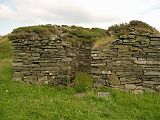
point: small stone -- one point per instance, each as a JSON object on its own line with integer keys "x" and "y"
{"x": 99, "y": 83}
{"x": 137, "y": 91}
{"x": 123, "y": 79}
{"x": 152, "y": 73}
{"x": 106, "y": 72}
{"x": 158, "y": 88}
{"x": 53, "y": 38}
{"x": 130, "y": 86}
{"x": 44, "y": 78}
{"x": 140, "y": 88}
{"x": 150, "y": 90}
{"x": 113, "y": 79}
{"x": 103, "y": 94}
{"x": 97, "y": 65}
{"x": 95, "y": 71}
{"x": 155, "y": 43}
{"x": 50, "y": 73}
{"x": 94, "y": 55}
{"x": 67, "y": 59}
{"x": 150, "y": 82}
{"x": 80, "y": 95}
{"x": 46, "y": 82}
{"x": 18, "y": 64}
{"x": 17, "y": 78}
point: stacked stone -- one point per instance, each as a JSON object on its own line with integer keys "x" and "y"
{"x": 84, "y": 57}
{"x": 131, "y": 62}
{"x": 132, "y": 59}
{"x": 42, "y": 59}
{"x": 99, "y": 67}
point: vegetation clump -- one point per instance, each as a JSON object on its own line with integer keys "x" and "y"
{"x": 133, "y": 26}
{"x": 83, "y": 82}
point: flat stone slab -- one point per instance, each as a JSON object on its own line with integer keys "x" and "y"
{"x": 80, "y": 94}
{"x": 103, "y": 94}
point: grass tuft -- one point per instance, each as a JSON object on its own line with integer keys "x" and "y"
{"x": 83, "y": 82}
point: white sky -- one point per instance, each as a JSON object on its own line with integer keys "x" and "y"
{"x": 87, "y": 13}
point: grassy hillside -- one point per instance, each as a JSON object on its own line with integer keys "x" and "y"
{"x": 20, "y": 101}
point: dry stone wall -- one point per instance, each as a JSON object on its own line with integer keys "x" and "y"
{"x": 84, "y": 57}
{"x": 42, "y": 59}
{"x": 130, "y": 62}
{"x": 48, "y": 60}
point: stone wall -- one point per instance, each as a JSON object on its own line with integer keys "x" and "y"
{"x": 84, "y": 57}
{"x": 40, "y": 59}
{"x": 130, "y": 62}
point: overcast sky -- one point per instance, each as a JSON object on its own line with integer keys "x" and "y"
{"x": 87, "y": 13}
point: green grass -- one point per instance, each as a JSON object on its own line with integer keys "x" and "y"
{"x": 83, "y": 82}
{"x": 5, "y": 48}
{"x": 20, "y": 101}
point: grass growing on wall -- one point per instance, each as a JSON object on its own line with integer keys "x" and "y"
{"x": 20, "y": 101}
{"x": 103, "y": 42}
{"x": 74, "y": 35}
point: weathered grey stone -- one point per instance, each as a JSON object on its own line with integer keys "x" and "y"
{"x": 137, "y": 91}
{"x": 100, "y": 64}
{"x": 149, "y": 82}
{"x": 152, "y": 73}
{"x": 123, "y": 79}
{"x": 140, "y": 88}
{"x": 150, "y": 90}
{"x": 155, "y": 43}
{"x": 114, "y": 80}
{"x": 130, "y": 86}
{"x": 35, "y": 54}
{"x": 94, "y": 55}
{"x": 98, "y": 58}
{"x": 155, "y": 35}
{"x": 155, "y": 39}
{"x": 95, "y": 71}
{"x": 103, "y": 94}
{"x": 106, "y": 72}
{"x": 127, "y": 37}
{"x": 99, "y": 83}
{"x": 43, "y": 78}
{"x": 18, "y": 64}
{"x": 147, "y": 62}
{"x": 67, "y": 59}
{"x": 17, "y": 78}
{"x": 158, "y": 88}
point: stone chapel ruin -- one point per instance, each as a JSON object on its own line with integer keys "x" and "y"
{"x": 130, "y": 61}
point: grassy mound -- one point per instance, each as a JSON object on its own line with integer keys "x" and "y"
{"x": 133, "y": 26}
{"x": 73, "y": 35}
